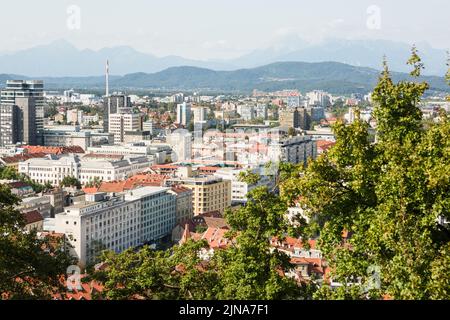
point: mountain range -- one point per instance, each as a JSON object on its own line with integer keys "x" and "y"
{"x": 334, "y": 77}
{"x": 61, "y": 59}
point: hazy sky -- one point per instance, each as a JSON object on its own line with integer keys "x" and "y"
{"x": 212, "y": 29}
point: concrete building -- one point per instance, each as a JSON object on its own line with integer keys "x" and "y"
{"x": 115, "y": 103}
{"x": 183, "y": 113}
{"x": 116, "y": 222}
{"x": 208, "y": 193}
{"x": 184, "y": 204}
{"x": 21, "y": 112}
{"x": 120, "y": 123}
{"x": 181, "y": 142}
{"x": 295, "y": 150}
{"x": 239, "y": 189}
{"x": 40, "y": 204}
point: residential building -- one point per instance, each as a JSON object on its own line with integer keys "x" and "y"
{"x": 209, "y": 193}
{"x": 184, "y": 204}
{"x": 297, "y": 149}
{"x": 239, "y": 189}
{"x": 34, "y": 221}
{"x": 181, "y": 142}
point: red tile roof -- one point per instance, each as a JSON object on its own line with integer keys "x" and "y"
{"x": 22, "y": 157}
{"x": 54, "y": 150}
{"x": 32, "y": 216}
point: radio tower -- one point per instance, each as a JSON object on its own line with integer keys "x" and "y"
{"x": 107, "y": 78}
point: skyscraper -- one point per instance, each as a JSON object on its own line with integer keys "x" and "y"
{"x": 115, "y": 103}
{"x": 22, "y": 112}
{"x": 184, "y": 113}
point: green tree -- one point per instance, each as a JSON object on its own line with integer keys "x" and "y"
{"x": 389, "y": 196}
{"x": 30, "y": 267}
{"x": 70, "y": 181}
{"x": 152, "y": 274}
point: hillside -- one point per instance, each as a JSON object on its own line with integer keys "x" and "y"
{"x": 334, "y": 77}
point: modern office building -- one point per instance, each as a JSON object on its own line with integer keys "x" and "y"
{"x": 22, "y": 112}
{"x": 107, "y": 222}
{"x": 114, "y": 103}
{"x": 120, "y": 123}
{"x": 183, "y": 113}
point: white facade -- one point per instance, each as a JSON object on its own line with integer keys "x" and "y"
{"x": 239, "y": 189}
{"x": 183, "y": 113}
{"x": 54, "y": 169}
{"x": 119, "y": 123}
{"x": 295, "y": 150}
{"x": 116, "y": 223}
{"x": 181, "y": 142}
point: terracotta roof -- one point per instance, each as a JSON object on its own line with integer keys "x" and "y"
{"x": 22, "y": 157}
{"x": 180, "y": 189}
{"x": 87, "y": 291}
{"x": 32, "y": 216}
{"x": 216, "y": 238}
{"x": 54, "y": 150}
{"x": 216, "y": 222}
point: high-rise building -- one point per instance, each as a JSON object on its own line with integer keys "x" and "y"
{"x": 183, "y": 113}
{"x": 200, "y": 114}
{"x": 181, "y": 142}
{"x": 119, "y": 123}
{"x": 115, "y": 103}
{"x": 289, "y": 118}
{"x": 22, "y": 112}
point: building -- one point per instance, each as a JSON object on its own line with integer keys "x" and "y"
{"x": 289, "y": 118}
{"x": 116, "y": 223}
{"x": 53, "y": 169}
{"x": 295, "y": 150}
{"x": 183, "y": 113}
{"x": 21, "y": 112}
{"x": 200, "y": 114}
{"x": 319, "y": 98}
{"x": 158, "y": 212}
{"x": 247, "y": 112}
{"x": 151, "y": 127}
{"x": 120, "y": 123}
{"x": 261, "y": 111}
{"x": 239, "y": 189}
{"x": 184, "y": 204}
{"x": 181, "y": 142}
{"x": 209, "y": 193}
{"x": 114, "y": 103}
{"x": 34, "y": 221}
{"x": 40, "y": 204}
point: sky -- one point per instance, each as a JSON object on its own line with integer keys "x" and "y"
{"x": 218, "y": 29}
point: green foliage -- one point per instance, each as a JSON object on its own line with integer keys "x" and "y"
{"x": 10, "y": 173}
{"x": 158, "y": 274}
{"x": 70, "y": 181}
{"x": 388, "y": 195}
{"x": 96, "y": 182}
{"x": 29, "y": 267}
